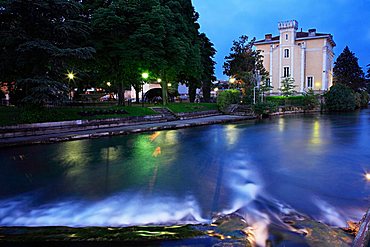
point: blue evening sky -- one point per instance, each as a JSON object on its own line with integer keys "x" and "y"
{"x": 226, "y": 20}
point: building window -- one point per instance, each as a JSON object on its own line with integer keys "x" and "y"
{"x": 286, "y": 53}
{"x": 268, "y": 82}
{"x": 286, "y": 72}
{"x": 309, "y": 81}
{"x": 286, "y": 36}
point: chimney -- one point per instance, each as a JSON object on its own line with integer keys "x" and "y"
{"x": 311, "y": 32}
{"x": 268, "y": 36}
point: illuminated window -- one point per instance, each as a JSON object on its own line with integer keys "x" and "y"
{"x": 309, "y": 81}
{"x": 286, "y": 53}
{"x": 286, "y": 72}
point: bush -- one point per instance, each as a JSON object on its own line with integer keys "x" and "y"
{"x": 263, "y": 108}
{"x": 227, "y": 97}
{"x": 364, "y": 99}
{"x": 340, "y": 98}
{"x": 358, "y": 100}
{"x": 310, "y": 100}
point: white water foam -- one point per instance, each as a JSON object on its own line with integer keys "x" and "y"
{"x": 119, "y": 210}
{"x": 246, "y": 187}
{"x": 335, "y": 216}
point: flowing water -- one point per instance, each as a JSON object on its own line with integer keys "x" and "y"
{"x": 311, "y": 165}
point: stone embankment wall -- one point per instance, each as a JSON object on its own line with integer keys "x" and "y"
{"x": 76, "y": 125}
{"x": 190, "y": 115}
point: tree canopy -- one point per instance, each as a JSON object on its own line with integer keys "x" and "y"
{"x": 347, "y": 71}
{"x": 244, "y": 63}
{"x": 40, "y": 39}
{"x": 119, "y": 40}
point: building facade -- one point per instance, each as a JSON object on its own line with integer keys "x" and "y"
{"x": 307, "y": 57}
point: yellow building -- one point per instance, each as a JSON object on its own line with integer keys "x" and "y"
{"x": 305, "y": 56}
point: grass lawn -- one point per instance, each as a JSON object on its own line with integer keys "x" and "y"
{"x": 191, "y": 107}
{"x": 16, "y": 115}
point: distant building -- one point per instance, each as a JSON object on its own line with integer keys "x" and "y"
{"x": 305, "y": 56}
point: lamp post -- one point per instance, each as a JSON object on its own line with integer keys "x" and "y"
{"x": 145, "y": 76}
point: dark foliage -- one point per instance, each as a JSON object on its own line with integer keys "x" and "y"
{"x": 347, "y": 71}
{"x": 39, "y": 41}
{"x": 340, "y": 98}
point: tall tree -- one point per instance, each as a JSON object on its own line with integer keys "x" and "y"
{"x": 39, "y": 40}
{"x": 368, "y": 78}
{"x": 244, "y": 63}
{"x": 347, "y": 71}
{"x": 112, "y": 25}
{"x": 208, "y": 65}
{"x": 181, "y": 60}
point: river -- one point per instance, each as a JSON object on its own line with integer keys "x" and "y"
{"x": 311, "y": 165}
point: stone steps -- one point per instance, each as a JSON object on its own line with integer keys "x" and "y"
{"x": 165, "y": 112}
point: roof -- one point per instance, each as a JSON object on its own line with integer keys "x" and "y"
{"x": 300, "y": 36}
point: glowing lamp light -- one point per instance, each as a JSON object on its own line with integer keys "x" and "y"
{"x": 169, "y": 84}
{"x": 145, "y": 75}
{"x": 70, "y": 75}
{"x": 367, "y": 176}
{"x": 216, "y": 89}
{"x": 232, "y": 80}
{"x": 109, "y": 84}
{"x": 159, "y": 80}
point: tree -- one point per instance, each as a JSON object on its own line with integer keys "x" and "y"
{"x": 368, "y": 78}
{"x": 40, "y": 40}
{"x": 287, "y": 86}
{"x": 208, "y": 65}
{"x": 340, "y": 98}
{"x": 243, "y": 63}
{"x": 182, "y": 60}
{"x": 347, "y": 71}
{"x": 264, "y": 87}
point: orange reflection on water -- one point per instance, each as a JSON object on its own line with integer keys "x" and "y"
{"x": 154, "y": 136}
{"x": 157, "y": 152}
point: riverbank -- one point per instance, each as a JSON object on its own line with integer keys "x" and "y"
{"x": 56, "y": 133}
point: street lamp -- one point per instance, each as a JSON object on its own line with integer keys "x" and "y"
{"x": 159, "y": 80}
{"x": 145, "y": 76}
{"x": 70, "y": 75}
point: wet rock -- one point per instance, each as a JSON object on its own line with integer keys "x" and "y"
{"x": 321, "y": 235}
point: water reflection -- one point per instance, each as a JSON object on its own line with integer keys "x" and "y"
{"x": 232, "y": 134}
{"x": 316, "y": 137}
{"x": 281, "y": 124}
